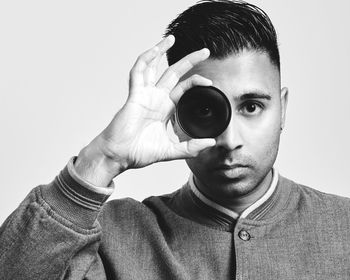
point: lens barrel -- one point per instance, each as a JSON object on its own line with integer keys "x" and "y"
{"x": 203, "y": 112}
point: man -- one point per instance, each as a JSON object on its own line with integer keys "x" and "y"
{"x": 235, "y": 218}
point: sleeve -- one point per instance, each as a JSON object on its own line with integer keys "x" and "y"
{"x": 54, "y": 233}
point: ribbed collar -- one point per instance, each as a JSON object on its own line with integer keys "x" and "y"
{"x": 190, "y": 203}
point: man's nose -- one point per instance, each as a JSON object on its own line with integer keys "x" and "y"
{"x": 231, "y": 138}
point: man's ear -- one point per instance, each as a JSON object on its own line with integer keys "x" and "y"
{"x": 284, "y": 103}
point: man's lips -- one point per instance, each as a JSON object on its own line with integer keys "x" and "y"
{"x": 230, "y": 166}
{"x": 231, "y": 171}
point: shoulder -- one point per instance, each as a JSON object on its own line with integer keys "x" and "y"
{"x": 130, "y": 211}
{"x": 121, "y": 209}
{"x": 313, "y": 201}
{"x": 320, "y": 198}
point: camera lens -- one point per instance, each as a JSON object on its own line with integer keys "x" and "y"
{"x": 203, "y": 112}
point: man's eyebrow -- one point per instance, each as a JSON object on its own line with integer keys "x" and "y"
{"x": 253, "y": 95}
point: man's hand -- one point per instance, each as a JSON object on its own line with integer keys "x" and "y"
{"x": 137, "y": 136}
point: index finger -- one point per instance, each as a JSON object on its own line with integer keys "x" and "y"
{"x": 172, "y": 75}
{"x": 143, "y": 60}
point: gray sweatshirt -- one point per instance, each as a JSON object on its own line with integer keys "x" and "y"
{"x": 65, "y": 230}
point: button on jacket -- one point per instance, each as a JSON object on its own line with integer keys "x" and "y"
{"x": 65, "y": 230}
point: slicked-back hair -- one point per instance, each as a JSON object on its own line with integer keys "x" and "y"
{"x": 224, "y": 27}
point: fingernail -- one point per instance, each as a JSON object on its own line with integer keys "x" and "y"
{"x": 171, "y": 38}
{"x": 208, "y": 81}
{"x": 206, "y": 51}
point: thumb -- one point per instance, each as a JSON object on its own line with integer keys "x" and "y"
{"x": 193, "y": 147}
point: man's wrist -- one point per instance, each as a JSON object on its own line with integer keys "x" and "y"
{"x": 96, "y": 168}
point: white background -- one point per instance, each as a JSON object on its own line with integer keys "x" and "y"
{"x": 64, "y": 74}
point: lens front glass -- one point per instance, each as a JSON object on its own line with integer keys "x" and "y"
{"x": 203, "y": 112}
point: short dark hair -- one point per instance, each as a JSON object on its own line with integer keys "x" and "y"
{"x": 224, "y": 27}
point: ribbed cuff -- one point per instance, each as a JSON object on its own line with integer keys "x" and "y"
{"x": 75, "y": 199}
{"x": 72, "y": 172}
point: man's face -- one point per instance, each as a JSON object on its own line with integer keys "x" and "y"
{"x": 246, "y": 151}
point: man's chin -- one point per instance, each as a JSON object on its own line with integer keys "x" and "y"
{"x": 232, "y": 183}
